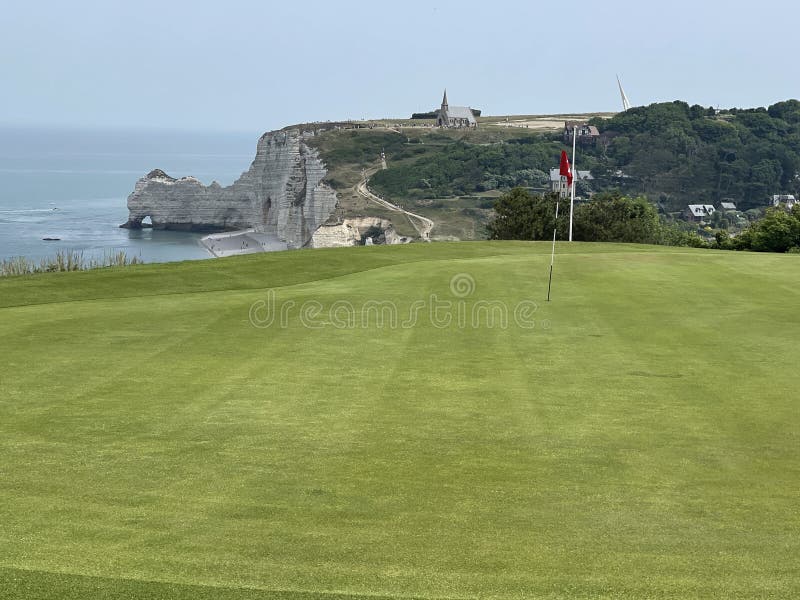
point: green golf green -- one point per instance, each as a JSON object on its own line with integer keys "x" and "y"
{"x": 404, "y": 422}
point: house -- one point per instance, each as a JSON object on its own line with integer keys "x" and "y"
{"x": 558, "y": 183}
{"x": 699, "y": 212}
{"x": 587, "y": 134}
{"x": 724, "y": 205}
{"x": 787, "y": 200}
{"x": 454, "y": 116}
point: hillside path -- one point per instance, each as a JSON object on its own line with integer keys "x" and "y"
{"x": 423, "y": 225}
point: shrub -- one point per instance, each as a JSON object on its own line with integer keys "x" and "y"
{"x": 65, "y": 260}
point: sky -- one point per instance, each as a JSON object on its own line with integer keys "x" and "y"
{"x": 243, "y": 65}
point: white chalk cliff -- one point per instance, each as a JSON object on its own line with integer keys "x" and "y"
{"x": 282, "y": 194}
{"x": 351, "y": 232}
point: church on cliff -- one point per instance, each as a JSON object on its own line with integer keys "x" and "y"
{"x": 454, "y": 116}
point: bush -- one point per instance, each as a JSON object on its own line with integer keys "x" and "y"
{"x": 776, "y": 232}
{"x": 613, "y": 217}
{"x": 606, "y": 218}
{"x": 519, "y": 215}
{"x": 674, "y": 235}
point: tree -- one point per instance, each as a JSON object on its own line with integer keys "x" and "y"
{"x": 609, "y": 217}
{"x": 612, "y": 217}
{"x": 520, "y": 215}
{"x": 789, "y": 111}
{"x": 776, "y": 232}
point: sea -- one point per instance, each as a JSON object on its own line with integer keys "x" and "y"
{"x": 73, "y": 184}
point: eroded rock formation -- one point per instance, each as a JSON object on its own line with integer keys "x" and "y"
{"x": 282, "y": 193}
{"x": 353, "y": 232}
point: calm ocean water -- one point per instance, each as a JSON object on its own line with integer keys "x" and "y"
{"x": 73, "y": 185}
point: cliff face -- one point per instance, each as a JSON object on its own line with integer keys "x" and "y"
{"x": 351, "y": 232}
{"x": 281, "y": 194}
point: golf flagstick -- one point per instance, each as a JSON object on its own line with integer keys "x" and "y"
{"x": 552, "y": 254}
{"x": 564, "y": 171}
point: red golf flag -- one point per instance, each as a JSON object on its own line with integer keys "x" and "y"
{"x": 565, "y": 170}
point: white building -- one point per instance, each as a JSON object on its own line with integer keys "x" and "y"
{"x": 558, "y": 183}
{"x": 454, "y": 116}
{"x": 787, "y": 200}
{"x": 698, "y": 212}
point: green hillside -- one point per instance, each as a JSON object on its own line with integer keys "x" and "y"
{"x": 420, "y": 163}
{"x": 679, "y": 154}
{"x": 672, "y": 153}
{"x": 637, "y": 437}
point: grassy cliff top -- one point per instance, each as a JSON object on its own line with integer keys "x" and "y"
{"x": 533, "y": 121}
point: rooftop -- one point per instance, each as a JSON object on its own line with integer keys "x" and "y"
{"x": 460, "y": 112}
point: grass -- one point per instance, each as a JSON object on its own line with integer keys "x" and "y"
{"x": 64, "y": 260}
{"x": 640, "y": 442}
{"x": 500, "y": 119}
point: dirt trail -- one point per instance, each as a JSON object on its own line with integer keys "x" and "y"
{"x": 423, "y": 225}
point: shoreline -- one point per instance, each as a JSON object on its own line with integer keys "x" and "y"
{"x": 242, "y": 241}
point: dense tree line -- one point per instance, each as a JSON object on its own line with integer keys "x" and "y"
{"x": 607, "y": 217}
{"x": 612, "y": 217}
{"x": 778, "y": 231}
{"x": 677, "y": 154}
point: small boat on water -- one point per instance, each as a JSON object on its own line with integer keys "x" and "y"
{"x": 49, "y": 239}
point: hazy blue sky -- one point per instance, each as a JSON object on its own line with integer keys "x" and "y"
{"x": 252, "y": 66}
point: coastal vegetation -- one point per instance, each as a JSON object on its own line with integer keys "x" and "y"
{"x": 679, "y": 154}
{"x": 634, "y": 437}
{"x": 778, "y": 231}
{"x": 612, "y": 217}
{"x": 65, "y": 260}
{"x": 672, "y": 154}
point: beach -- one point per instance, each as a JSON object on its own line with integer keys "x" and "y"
{"x": 244, "y": 241}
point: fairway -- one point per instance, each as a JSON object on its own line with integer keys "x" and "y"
{"x": 637, "y": 437}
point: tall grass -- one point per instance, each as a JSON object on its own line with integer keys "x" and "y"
{"x": 65, "y": 260}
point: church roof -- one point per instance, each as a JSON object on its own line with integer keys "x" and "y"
{"x": 460, "y": 112}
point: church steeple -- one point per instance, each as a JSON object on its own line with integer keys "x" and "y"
{"x": 444, "y": 100}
